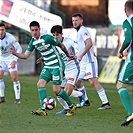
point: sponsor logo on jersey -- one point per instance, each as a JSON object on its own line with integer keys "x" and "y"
{"x": 71, "y": 79}
{"x": 56, "y": 77}
{"x": 88, "y": 73}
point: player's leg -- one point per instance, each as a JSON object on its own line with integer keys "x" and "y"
{"x": 2, "y": 87}
{"x": 16, "y": 83}
{"x": 87, "y": 103}
{"x": 71, "y": 77}
{"x": 92, "y": 74}
{"x": 101, "y": 92}
{"x": 44, "y": 79}
{"x": 62, "y": 101}
{"x": 57, "y": 78}
{"x": 81, "y": 88}
{"x": 76, "y": 93}
{"x": 2, "y": 84}
{"x": 125, "y": 73}
{"x": 60, "y": 92}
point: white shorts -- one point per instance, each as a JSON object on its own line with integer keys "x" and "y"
{"x": 88, "y": 70}
{"x": 70, "y": 78}
{"x": 6, "y": 65}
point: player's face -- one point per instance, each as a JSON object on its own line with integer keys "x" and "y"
{"x": 126, "y": 12}
{"x": 77, "y": 22}
{"x": 2, "y": 31}
{"x": 58, "y": 36}
{"x": 35, "y": 31}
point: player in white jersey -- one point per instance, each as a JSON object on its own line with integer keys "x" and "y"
{"x": 8, "y": 62}
{"x": 72, "y": 69}
{"x": 88, "y": 60}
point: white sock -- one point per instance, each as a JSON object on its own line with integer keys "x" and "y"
{"x": 2, "y": 88}
{"x": 76, "y": 93}
{"x": 63, "y": 102}
{"x": 102, "y": 96}
{"x": 83, "y": 88}
{"x": 17, "y": 89}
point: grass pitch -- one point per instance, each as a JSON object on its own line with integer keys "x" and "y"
{"x": 18, "y": 118}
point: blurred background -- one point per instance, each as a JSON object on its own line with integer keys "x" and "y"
{"x": 103, "y": 19}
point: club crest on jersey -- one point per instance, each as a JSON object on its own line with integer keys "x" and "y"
{"x": 86, "y": 34}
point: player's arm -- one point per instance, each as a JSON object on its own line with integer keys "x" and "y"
{"x": 18, "y": 49}
{"x": 19, "y": 55}
{"x": 87, "y": 47}
{"x": 63, "y": 48}
{"x": 128, "y": 37}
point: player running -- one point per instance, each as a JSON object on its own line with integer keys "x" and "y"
{"x": 53, "y": 66}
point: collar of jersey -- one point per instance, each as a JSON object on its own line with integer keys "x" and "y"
{"x": 62, "y": 39}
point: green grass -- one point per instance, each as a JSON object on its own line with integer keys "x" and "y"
{"x": 18, "y": 119}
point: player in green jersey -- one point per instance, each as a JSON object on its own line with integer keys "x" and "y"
{"x": 53, "y": 66}
{"x": 126, "y": 72}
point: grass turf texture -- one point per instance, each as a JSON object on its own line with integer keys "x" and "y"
{"x": 18, "y": 118}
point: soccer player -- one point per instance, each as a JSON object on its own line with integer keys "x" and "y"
{"x": 72, "y": 69}
{"x": 126, "y": 72}
{"x": 53, "y": 66}
{"x": 9, "y": 62}
{"x": 87, "y": 59}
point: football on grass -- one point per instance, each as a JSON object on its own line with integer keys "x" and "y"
{"x": 49, "y": 103}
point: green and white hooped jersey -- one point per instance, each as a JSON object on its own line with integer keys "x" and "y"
{"x": 46, "y": 45}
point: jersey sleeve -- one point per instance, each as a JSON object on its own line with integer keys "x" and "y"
{"x": 16, "y": 46}
{"x": 128, "y": 35}
{"x": 85, "y": 34}
{"x": 52, "y": 41}
{"x": 30, "y": 47}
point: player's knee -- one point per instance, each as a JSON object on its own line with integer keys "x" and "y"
{"x": 14, "y": 79}
{"x": 92, "y": 83}
{"x": 78, "y": 84}
{"x": 118, "y": 85}
{"x": 41, "y": 83}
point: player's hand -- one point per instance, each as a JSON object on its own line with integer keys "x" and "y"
{"x": 12, "y": 65}
{"x": 120, "y": 55}
{"x": 40, "y": 60}
{"x": 12, "y": 51}
{"x": 79, "y": 58}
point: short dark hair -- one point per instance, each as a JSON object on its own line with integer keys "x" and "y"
{"x": 129, "y": 5}
{"x": 77, "y": 15}
{"x": 34, "y": 23}
{"x": 56, "y": 28}
{"x": 2, "y": 24}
